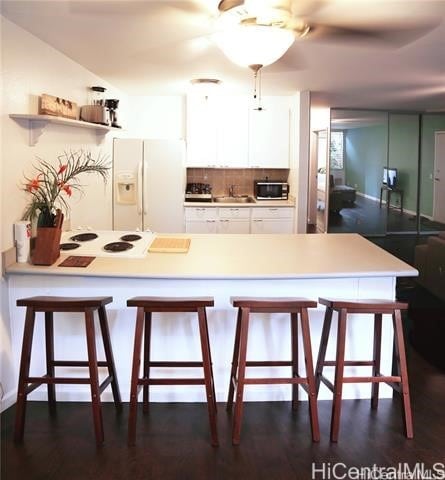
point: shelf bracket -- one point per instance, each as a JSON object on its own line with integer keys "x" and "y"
{"x": 36, "y": 128}
{"x": 100, "y": 136}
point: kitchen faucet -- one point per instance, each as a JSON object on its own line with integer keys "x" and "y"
{"x": 231, "y": 190}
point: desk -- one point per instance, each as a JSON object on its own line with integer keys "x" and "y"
{"x": 389, "y": 191}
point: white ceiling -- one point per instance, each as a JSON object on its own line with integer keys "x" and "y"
{"x": 155, "y": 47}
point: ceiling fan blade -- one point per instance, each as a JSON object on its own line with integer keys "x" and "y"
{"x": 306, "y": 8}
{"x": 179, "y": 11}
{"x": 292, "y": 60}
{"x": 395, "y": 36}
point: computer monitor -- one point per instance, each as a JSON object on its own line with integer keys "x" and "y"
{"x": 390, "y": 177}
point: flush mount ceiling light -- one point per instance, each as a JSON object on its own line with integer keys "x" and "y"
{"x": 205, "y": 86}
{"x": 256, "y": 33}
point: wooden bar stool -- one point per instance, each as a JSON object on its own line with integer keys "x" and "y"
{"x": 27, "y": 384}
{"x": 145, "y": 307}
{"x": 398, "y": 381}
{"x": 295, "y": 307}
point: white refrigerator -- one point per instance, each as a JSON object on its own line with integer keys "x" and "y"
{"x": 148, "y": 185}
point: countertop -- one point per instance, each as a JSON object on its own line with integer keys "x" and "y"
{"x": 256, "y": 203}
{"x": 247, "y": 257}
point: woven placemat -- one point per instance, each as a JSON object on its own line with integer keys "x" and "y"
{"x": 170, "y": 245}
{"x": 76, "y": 261}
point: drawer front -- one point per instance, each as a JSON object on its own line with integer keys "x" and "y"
{"x": 272, "y": 212}
{"x": 271, "y": 226}
{"x": 201, "y": 213}
{"x": 234, "y": 212}
{"x": 201, "y": 226}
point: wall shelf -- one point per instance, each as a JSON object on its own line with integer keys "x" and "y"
{"x": 38, "y": 123}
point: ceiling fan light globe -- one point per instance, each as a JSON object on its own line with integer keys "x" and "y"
{"x": 248, "y": 45}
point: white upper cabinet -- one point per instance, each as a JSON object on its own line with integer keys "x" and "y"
{"x": 269, "y": 133}
{"x": 227, "y": 132}
{"x": 233, "y": 132}
{"x": 202, "y": 131}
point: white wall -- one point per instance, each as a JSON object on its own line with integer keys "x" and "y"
{"x": 156, "y": 117}
{"x": 30, "y": 67}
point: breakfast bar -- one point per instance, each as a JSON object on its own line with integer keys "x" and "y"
{"x": 221, "y": 266}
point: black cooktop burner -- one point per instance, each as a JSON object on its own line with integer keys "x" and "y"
{"x": 130, "y": 237}
{"x": 118, "y": 246}
{"x": 69, "y": 246}
{"x": 83, "y": 237}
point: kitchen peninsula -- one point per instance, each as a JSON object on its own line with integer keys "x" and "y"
{"x": 341, "y": 265}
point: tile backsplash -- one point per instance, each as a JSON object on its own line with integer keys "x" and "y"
{"x": 242, "y": 178}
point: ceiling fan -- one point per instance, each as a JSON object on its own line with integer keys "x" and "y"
{"x": 264, "y": 30}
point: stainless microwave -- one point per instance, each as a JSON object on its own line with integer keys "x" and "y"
{"x": 267, "y": 190}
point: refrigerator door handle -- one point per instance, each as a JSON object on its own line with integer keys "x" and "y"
{"x": 145, "y": 183}
{"x": 139, "y": 187}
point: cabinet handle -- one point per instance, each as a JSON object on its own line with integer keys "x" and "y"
{"x": 225, "y": 221}
{"x": 211, "y": 221}
{"x": 234, "y": 209}
{"x": 273, "y": 209}
{"x": 257, "y": 220}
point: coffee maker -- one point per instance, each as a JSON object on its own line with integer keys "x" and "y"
{"x": 112, "y": 104}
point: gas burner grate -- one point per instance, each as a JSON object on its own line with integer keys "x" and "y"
{"x": 84, "y": 237}
{"x": 118, "y": 246}
{"x": 130, "y": 238}
{"x": 69, "y": 246}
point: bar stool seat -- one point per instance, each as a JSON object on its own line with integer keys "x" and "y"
{"x": 398, "y": 380}
{"x": 27, "y": 383}
{"x": 145, "y": 307}
{"x": 295, "y": 307}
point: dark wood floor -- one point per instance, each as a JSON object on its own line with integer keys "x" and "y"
{"x": 173, "y": 439}
{"x": 367, "y": 218}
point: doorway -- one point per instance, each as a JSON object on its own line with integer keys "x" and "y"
{"x": 439, "y": 178}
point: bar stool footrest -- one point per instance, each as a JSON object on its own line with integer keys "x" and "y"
{"x": 350, "y": 363}
{"x": 269, "y": 363}
{"x": 76, "y": 363}
{"x": 174, "y": 364}
{"x": 171, "y": 381}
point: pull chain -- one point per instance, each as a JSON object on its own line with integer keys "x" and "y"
{"x": 257, "y": 85}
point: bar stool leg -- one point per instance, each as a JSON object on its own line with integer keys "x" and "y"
{"x": 313, "y": 410}
{"x": 323, "y": 347}
{"x": 294, "y": 348}
{"x": 205, "y": 348}
{"x": 234, "y": 363}
{"x": 376, "y": 359}
{"x": 132, "y": 416}
{"x": 146, "y": 369}
{"x": 404, "y": 385}
{"x": 210, "y": 357}
{"x": 339, "y": 368}
{"x": 241, "y": 376}
{"x": 103, "y": 322}
{"x": 50, "y": 370}
{"x": 94, "y": 377}
{"x": 25, "y": 362}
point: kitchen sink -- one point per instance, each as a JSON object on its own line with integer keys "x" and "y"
{"x": 241, "y": 199}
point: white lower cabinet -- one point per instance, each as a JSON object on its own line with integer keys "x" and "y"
{"x": 272, "y": 220}
{"x": 201, "y": 226}
{"x": 227, "y": 225}
{"x": 266, "y": 225}
{"x": 239, "y": 220}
